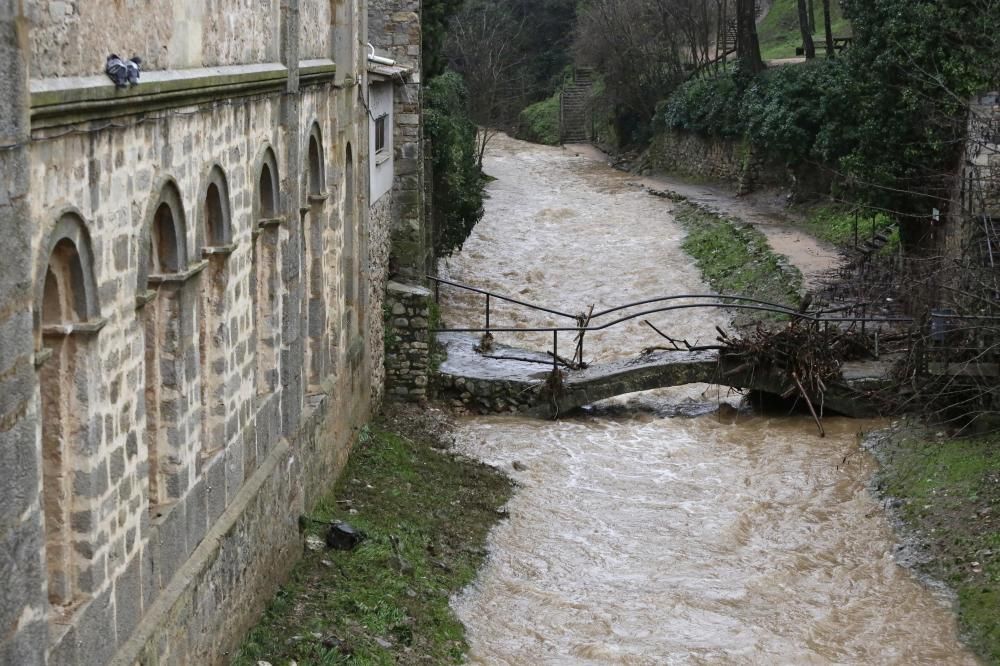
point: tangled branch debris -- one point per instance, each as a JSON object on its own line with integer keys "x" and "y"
{"x": 810, "y": 357}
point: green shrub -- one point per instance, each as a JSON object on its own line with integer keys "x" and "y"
{"x": 540, "y": 122}
{"x": 457, "y": 179}
{"x": 705, "y": 106}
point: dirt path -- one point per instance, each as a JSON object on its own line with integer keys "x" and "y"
{"x": 813, "y": 257}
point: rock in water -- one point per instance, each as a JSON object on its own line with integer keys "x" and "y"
{"x": 343, "y": 536}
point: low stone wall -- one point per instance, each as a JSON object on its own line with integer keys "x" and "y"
{"x": 487, "y": 396}
{"x": 408, "y": 343}
{"x": 729, "y": 160}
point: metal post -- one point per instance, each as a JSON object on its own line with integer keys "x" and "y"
{"x": 437, "y": 292}
{"x": 487, "y": 313}
{"x": 555, "y": 351}
{"x": 864, "y": 316}
{"x": 876, "y": 343}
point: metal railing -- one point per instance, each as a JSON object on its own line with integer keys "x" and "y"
{"x": 584, "y": 322}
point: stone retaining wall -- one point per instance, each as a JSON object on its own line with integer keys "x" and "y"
{"x": 408, "y": 343}
{"x": 730, "y": 160}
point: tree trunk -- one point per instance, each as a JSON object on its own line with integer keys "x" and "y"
{"x": 831, "y": 50}
{"x": 807, "y": 38}
{"x": 747, "y": 44}
{"x": 812, "y": 16}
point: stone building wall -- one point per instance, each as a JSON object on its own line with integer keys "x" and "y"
{"x": 379, "y": 249}
{"x": 394, "y": 28}
{"x": 977, "y": 188}
{"x": 409, "y": 342}
{"x": 188, "y": 334}
{"x": 73, "y": 37}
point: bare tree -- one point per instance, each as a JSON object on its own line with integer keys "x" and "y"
{"x": 643, "y": 49}
{"x": 484, "y": 46}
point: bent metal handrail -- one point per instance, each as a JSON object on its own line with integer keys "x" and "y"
{"x": 739, "y": 304}
{"x": 583, "y": 322}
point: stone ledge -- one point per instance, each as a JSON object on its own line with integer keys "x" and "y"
{"x": 66, "y": 100}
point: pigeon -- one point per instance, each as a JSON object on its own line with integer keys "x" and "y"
{"x": 117, "y": 71}
{"x": 133, "y": 66}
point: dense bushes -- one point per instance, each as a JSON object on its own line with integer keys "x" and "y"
{"x": 457, "y": 180}
{"x": 540, "y": 122}
{"x": 885, "y": 121}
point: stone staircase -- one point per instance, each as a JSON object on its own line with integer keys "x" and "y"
{"x": 575, "y": 111}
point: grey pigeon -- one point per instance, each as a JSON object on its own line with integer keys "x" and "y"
{"x": 133, "y": 66}
{"x": 117, "y": 71}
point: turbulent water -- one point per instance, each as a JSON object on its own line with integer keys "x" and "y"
{"x": 642, "y": 533}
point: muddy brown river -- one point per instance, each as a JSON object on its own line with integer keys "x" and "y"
{"x": 652, "y": 530}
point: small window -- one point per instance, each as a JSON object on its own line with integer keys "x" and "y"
{"x": 380, "y": 133}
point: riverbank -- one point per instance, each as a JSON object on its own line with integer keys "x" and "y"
{"x": 736, "y": 258}
{"x": 944, "y": 496}
{"x": 425, "y": 514}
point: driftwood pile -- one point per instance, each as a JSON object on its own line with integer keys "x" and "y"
{"x": 808, "y": 355}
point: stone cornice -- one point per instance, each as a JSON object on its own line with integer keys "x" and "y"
{"x": 64, "y": 101}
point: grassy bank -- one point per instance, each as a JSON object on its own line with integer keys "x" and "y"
{"x": 426, "y": 514}
{"x": 736, "y": 259}
{"x": 836, "y": 225}
{"x": 947, "y": 496}
{"x": 780, "y": 35}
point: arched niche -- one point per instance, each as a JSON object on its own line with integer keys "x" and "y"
{"x": 66, "y": 291}
{"x": 215, "y": 220}
{"x": 66, "y": 318}
{"x": 316, "y": 162}
{"x": 264, "y": 276}
{"x": 163, "y": 240}
{"x": 267, "y": 199}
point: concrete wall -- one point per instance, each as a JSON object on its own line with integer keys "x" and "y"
{"x": 193, "y": 411}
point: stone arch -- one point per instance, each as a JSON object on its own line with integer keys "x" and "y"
{"x": 69, "y": 238}
{"x": 267, "y": 198}
{"x": 316, "y": 243}
{"x": 264, "y": 275}
{"x": 215, "y": 222}
{"x": 163, "y": 239}
{"x": 66, "y": 316}
{"x": 316, "y": 171}
{"x": 213, "y": 328}
{"x": 350, "y": 260}
{"x": 170, "y": 323}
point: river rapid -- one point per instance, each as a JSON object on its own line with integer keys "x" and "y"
{"x": 653, "y": 530}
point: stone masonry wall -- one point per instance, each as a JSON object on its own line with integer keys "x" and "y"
{"x": 394, "y": 28}
{"x": 408, "y": 345}
{"x": 695, "y": 156}
{"x": 73, "y": 37}
{"x": 378, "y": 266}
{"x": 977, "y": 191}
{"x": 23, "y": 605}
{"x": 170, "y": 272}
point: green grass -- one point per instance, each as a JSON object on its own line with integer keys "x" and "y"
{"x": 736, "y": 259}
{"x": 835, "y": 224}
{"x": 426, "y": 515}
{"x": 950, "y": 492}
{"x": 779, "y": 31}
